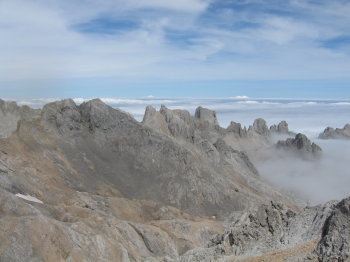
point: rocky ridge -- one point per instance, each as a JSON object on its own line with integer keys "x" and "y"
{"x": 337, "y": 133}
{"x": 300, "y": 144}
{"x": 112, "y": 189}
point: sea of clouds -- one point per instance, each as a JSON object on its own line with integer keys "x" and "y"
{"x": 316, "y": 181}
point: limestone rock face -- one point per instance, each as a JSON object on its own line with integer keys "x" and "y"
{"x": 205, "y": 114}
{"x": 335, "y": 241}
{"x": 271, "y": 227}
{"x": 155, "y": 120}
{"x": 11, "y": 114}
{"x": 260, "y": 127}
{"x": 216, "y": 144}
{"x": 62, "y": 115}
{"x": 237, "y": 129}
{"x": 300, "y": 144}
{"x": 281, "y": 128}
{"x": 337, "y": 133}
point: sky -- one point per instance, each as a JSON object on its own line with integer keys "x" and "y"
{"x": 183, "y": 48}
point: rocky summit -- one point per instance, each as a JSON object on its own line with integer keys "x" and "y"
{"x": 300, "y": 144}
{"x": 90, "y": 183}
{"x": 337, "y": 133}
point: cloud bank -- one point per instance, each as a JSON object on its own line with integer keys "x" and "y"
{"x": 317, "y": 181}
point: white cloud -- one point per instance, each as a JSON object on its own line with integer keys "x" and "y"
{"x": 318, "y": 181}
{"x": 239, "y": 97}
{"x": 39, "y": 41}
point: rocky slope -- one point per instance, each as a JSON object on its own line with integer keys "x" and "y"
{"x": 335, "y": 241}
{"x": 89, "y": 183}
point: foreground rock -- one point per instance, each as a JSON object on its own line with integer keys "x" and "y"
{"x": 335, "y": 241}
{"x": 337, "y": 133}
{"x": 272, "y": 227}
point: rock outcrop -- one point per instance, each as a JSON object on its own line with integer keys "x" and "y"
{"x": 281, "y": 129}
{"x": 236, "y": 128}
{"x": 271, "y": 227}
{"x": 10, "y": 114}
{"x": 260, "y": 127}
{"x": 300, "y": 144}
{"x": 335, "y": 241}
{"x": 337, "y": 133}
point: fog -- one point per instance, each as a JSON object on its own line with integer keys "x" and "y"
{"x": 313, "y": 180}
{"x": 316, "y": 181}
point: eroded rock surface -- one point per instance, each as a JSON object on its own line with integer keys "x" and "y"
{"x": 271, "y": 227}
{"x": 10, "y": 114}
{"x": 335, "y": 241}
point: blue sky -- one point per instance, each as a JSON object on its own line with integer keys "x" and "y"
{"x": 197, "y": 48}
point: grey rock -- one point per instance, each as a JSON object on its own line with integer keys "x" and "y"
{"x": 234, "y": 157}
{"x": 300, "y": 144}
{"x": 237, "y": 129}
{"x": 271, "y": 227}
{"x": 337, "y": 133}
{"x": 11, "y": 114}
{"x": 157, "y": 241}
{"x": 205, "y": 114}
{"x": 281, "y": 128}
{"x": 203, "y": 255}
{"x": 335, "y": 240}
{"x": 63, "y": 116}
{"x": 273, "y": 129}
{"x": 260, "y": 127}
